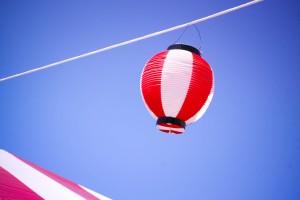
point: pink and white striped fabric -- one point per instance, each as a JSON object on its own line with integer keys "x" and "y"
{"x": 20, "y": 179}
{"x": 177, "y": 87}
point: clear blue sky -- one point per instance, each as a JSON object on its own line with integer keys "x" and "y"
{"x": 86, "y": 121}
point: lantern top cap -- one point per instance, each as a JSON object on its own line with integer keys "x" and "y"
{"x": 185, "y": 47}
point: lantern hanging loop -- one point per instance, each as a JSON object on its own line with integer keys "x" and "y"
{"x": 198, "y": 31}
{"x": 181, "y": 34}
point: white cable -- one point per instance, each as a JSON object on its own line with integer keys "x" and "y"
{"x": 133, "y": 40}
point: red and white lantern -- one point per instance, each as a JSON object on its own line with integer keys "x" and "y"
{"x": 177, "y": 87}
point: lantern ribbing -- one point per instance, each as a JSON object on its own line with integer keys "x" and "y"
{"x": 177, "y": 86}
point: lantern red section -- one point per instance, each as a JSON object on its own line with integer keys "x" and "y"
{"x": 177, "y": 87}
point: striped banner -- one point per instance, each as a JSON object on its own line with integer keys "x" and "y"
{"x": 20, "y": 179}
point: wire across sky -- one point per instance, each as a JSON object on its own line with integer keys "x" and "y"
{"x": 131, "y": 41}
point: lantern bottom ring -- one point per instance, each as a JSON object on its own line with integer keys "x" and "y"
{"x": 171, "y": 120}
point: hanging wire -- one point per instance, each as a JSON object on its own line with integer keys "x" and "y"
{"x": 199, "y": 34}
{"x": 181, "y": 34}
{"x": 132, "y": 41}
{"x": 198, "y": 31}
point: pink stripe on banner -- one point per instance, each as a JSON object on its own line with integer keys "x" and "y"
{"x": 12, "y": 188}
{"x": 68, "y": 184}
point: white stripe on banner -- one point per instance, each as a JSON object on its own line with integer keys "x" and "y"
{"x": 41, "y": 184}
{"x": 175, "y": 80}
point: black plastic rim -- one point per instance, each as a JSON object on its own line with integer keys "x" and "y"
{"x": 185, "y": 47}
{"x": 171, "y": 120}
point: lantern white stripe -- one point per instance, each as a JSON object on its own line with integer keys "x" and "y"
{"x": 177, "y": 69}
{"x": 41, "y": 184}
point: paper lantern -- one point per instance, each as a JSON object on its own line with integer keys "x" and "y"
{"x": 177, "y": 87}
